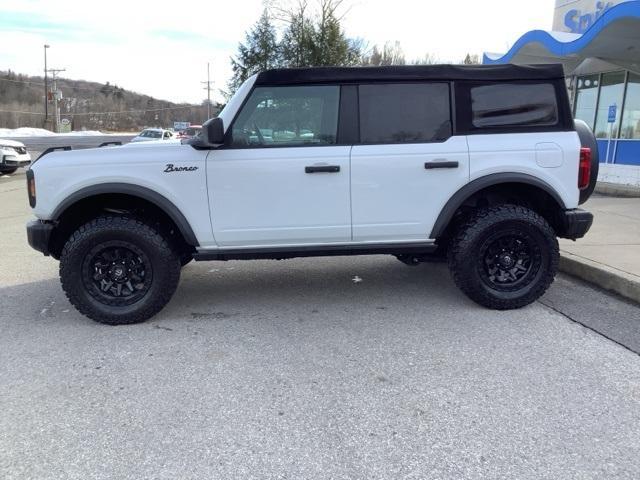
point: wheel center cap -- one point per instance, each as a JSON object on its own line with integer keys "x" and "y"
{"x": 506, "y": 260}
{"x": 118, "y": 273}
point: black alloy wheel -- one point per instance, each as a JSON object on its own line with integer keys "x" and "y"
{"x": 509, "y": 260}
{"x": 117, "y": 273}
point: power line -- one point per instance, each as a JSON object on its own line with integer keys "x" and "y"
{"x": 208, "y": 89}
{"x": 112, "y": 88}
{"x": 56, "y": 96}
{"x": 108, "y": 113}
{"x": 27, "y": 82}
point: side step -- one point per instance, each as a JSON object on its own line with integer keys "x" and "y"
{"x": 315, "y": 251}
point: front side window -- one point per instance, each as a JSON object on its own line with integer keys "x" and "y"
{"x": 288, "y": 116}
{"x": 504, "y": 105}
{"x": 404, "y": 113}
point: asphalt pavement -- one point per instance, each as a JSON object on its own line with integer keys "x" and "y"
{"x": 292, "y": 370}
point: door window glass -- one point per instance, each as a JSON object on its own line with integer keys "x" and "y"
{"x": 404, "y": 113}
{"x": 514, "y": 105}
{"x": 288, "y": 116}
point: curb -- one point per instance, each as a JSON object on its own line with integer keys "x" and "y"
{"x": 603, "y": 276}
{"x": 617, "y": 190}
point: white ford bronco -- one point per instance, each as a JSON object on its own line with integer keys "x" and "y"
{"x": 481, "y": 166}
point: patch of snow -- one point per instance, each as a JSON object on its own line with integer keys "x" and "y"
{"x": 25, "y": 132}
{"x": 84, "y": 133}
{"x": 41, "y": 132}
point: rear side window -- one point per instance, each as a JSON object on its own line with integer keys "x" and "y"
{"x": 404, "y": 113}
{"x": 514, "y": 105}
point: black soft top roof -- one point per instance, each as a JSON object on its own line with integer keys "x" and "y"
{"x": 316, "y": 75}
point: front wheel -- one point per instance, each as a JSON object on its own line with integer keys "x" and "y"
{"x": 504, "y": 257}
{"x": 8, "y": 171}
{"x": 118, "y": 270}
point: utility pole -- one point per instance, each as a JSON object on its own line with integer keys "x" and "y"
{"x": 208, "y": 89}
{"x": 46, "y": 87}
{"x": 56, "y": 97}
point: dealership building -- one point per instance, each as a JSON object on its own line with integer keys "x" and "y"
{"x": 598, "y": 42}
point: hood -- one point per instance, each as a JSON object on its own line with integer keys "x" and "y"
{"x": 127, "y": 155}
{"x": 10, "y": 143}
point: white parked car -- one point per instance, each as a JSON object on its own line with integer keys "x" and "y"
{"x": 13, "y": 155}
{"x": 151, "y": 134}
{"x": 483, "y": 167}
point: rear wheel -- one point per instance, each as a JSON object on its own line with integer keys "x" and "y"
{"x": 504, "y": 257}
{"x": 118, "y": 270}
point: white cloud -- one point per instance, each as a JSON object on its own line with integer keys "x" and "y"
{"x": 162, "y": 48}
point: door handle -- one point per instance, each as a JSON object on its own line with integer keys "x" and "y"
{"x": 441, "y": 164}
{"x": 322, "y": 169}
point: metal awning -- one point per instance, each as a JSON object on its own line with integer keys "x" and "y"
{"x": 614, "y": 38}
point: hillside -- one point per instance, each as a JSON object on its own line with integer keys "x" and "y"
{"x": 88, "y": 105}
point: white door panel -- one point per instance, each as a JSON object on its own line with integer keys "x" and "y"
{"x": 554, "y": 160}
{"x": 263, "y": 196}
{"x": 394, "y": 196}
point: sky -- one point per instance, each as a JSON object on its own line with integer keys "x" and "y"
{"x": 162, "y": 48}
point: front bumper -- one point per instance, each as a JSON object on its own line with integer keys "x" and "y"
{"x": 574, "y": 224}
{"x": 15, "y": 161}
{"x": 39, "y": 234}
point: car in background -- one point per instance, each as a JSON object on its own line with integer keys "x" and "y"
{"x": 151, "y": 134}
{"x": 190, "y": 132}
{"x": 13, "y": 155}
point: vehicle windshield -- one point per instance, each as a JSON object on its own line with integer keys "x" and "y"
{"x": 151, "y": 134}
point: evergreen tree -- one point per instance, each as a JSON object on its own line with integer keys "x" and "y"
{"x": 471, "y": 59}
{"x": 319, "y": 42}
{"x": 297, "y": 41}
{"x": 259, "y": 52}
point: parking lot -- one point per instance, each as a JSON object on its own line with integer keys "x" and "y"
{"x": 292, "y": 369}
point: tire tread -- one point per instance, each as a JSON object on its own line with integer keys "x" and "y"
{"x": 108, "y": 223}
{"x": 461, "y": 249}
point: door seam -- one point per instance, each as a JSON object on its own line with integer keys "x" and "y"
{"x": 350, "y": 192}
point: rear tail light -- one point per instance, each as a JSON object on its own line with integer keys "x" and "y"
{"x": 31, "y": 188}
{"x": 584, "y": 171}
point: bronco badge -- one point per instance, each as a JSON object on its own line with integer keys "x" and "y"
{"x": 170, "y": 168}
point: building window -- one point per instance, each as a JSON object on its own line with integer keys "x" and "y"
{"x": 611, "y": 92}
{"x": 631, "y": 114}
{"x": 586, "y": 98}
{"x": 400, "y": 113}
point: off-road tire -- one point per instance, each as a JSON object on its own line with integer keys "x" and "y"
{"x": 7, "y": 171}
{"x": 163, "y": 263}
{"x": 468, "y": 263}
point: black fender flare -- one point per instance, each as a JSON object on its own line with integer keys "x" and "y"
{"x": 144, "y": 193}
{"x": 458, "y": 198}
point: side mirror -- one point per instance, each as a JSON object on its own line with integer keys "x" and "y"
{"x": 212, "y": 135}
{"x": 214, "y": 131}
